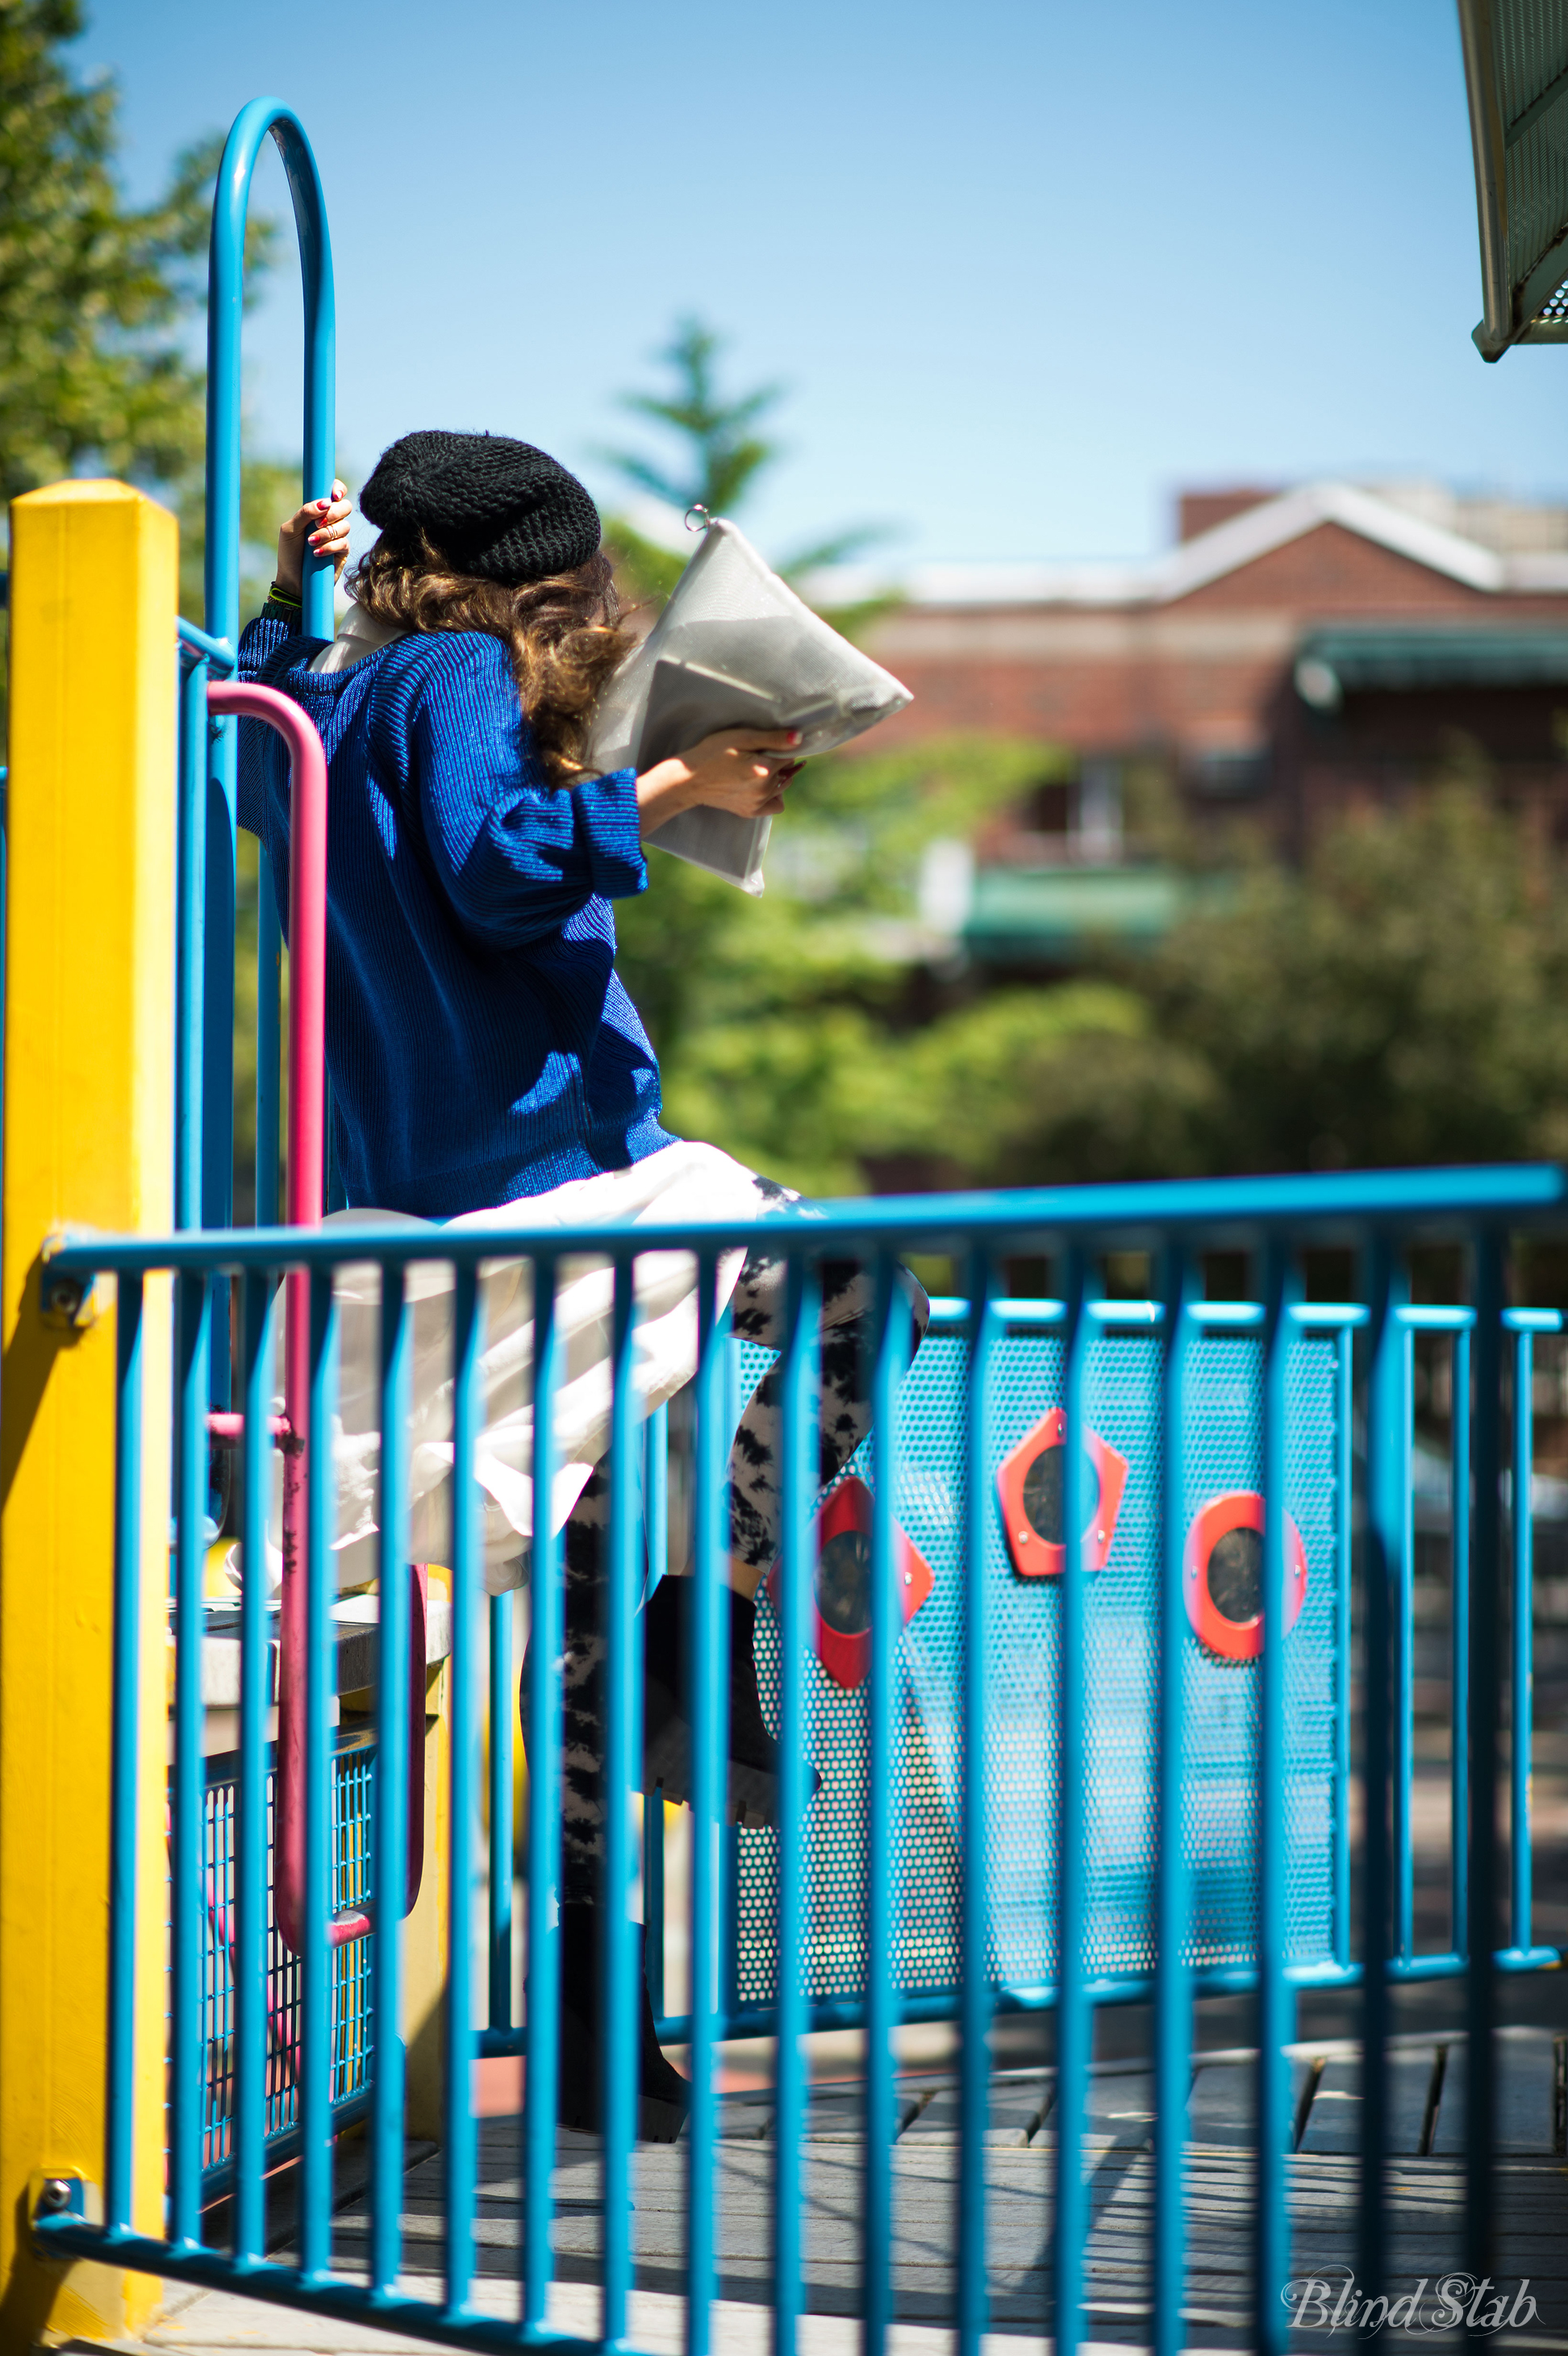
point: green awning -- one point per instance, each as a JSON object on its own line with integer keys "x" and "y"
{"x": 1332, "y": 664}
{"x": 1516, "y": 71}
{"x": 1051, "y": 916}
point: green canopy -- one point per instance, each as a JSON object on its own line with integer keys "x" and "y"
{"x": 1332, "y": 664}
{"x": 1516, "y": 70}
{"x": 1058, "y": 915}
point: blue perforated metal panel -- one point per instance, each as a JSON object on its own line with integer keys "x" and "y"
{"x": 1223, "y": 1453}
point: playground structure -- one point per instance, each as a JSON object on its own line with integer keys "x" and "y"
{"x": 1031, "y": 1643}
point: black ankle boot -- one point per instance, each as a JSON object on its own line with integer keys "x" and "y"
{"x": 751, "y": 1796}
{"x": 662, "y": 2094}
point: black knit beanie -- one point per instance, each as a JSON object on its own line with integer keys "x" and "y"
{"x": 491, "y": 506}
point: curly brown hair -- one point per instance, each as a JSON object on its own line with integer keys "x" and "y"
{"x": 564, "y": 634}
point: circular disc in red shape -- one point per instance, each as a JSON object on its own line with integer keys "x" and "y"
{"x": 1222, "y": 1575}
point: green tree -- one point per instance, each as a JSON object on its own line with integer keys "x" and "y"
{"x": 1403, "y": 998}
{"x": 776, "y": 1020}
{"x": 98, "y": 298}
{"x": 96, "y": 294}
{"x": 1036, "y": 1087}
{"x": 1400, "y": 998}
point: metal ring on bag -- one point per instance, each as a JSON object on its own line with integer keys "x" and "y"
{"x": 697, "y": 509}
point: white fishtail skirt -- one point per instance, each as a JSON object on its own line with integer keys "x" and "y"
{"x": 680, "y": 1184}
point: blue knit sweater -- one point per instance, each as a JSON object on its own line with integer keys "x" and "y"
{"x": 480, "y": 1042}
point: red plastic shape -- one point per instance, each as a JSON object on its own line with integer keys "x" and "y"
{"x": 1235, "y": 1640}
{"x": 845, "y": 1654}
{"x": 1035, "y": 1557}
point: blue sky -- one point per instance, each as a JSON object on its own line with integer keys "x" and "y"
{"x": 1026, "y": 268}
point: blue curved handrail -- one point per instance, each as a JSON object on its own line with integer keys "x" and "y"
{"x": 205, "y": 1139}
{"x": 264, "y": 117}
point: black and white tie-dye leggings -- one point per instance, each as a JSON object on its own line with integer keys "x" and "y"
{"x": 757, "y": 1307}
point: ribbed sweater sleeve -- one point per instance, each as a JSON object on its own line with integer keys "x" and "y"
{"x": 516, "y": 856}
{"x": 260, "y": 640}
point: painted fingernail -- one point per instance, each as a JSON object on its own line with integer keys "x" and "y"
{"x": 794, "y": 735}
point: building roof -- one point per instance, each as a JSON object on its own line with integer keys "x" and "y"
{"x": 1150, "y": 582}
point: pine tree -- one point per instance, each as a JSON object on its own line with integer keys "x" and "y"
{"x": 719, "y": 456}
{"x": 723, "y": 451}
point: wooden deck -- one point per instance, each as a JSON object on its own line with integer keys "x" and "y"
{"x": 1426, "y": 2197}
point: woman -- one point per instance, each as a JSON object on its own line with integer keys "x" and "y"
{"x": 481, "y": 1048}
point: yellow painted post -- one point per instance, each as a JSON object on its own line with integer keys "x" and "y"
{"x": 430, "y": 1944}
{"x": 88, "y": 1140}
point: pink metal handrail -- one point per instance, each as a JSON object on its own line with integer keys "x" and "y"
{"x": 306, "y": 1190}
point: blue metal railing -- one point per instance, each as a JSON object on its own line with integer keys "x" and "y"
{"x": 1274, "y": 1218}
{"x": 1339, "y": 1969}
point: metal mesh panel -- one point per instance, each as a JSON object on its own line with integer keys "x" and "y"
{"x": 1223, "y": 1453}
{"x": 353, "y": 1783}
{"x": 353, "y": 1831}
{"x": 1554, "y": 310}
{"x": 1530, "y": 41}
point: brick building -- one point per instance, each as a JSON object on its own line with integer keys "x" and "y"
{"x": 1293, "y": 651}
